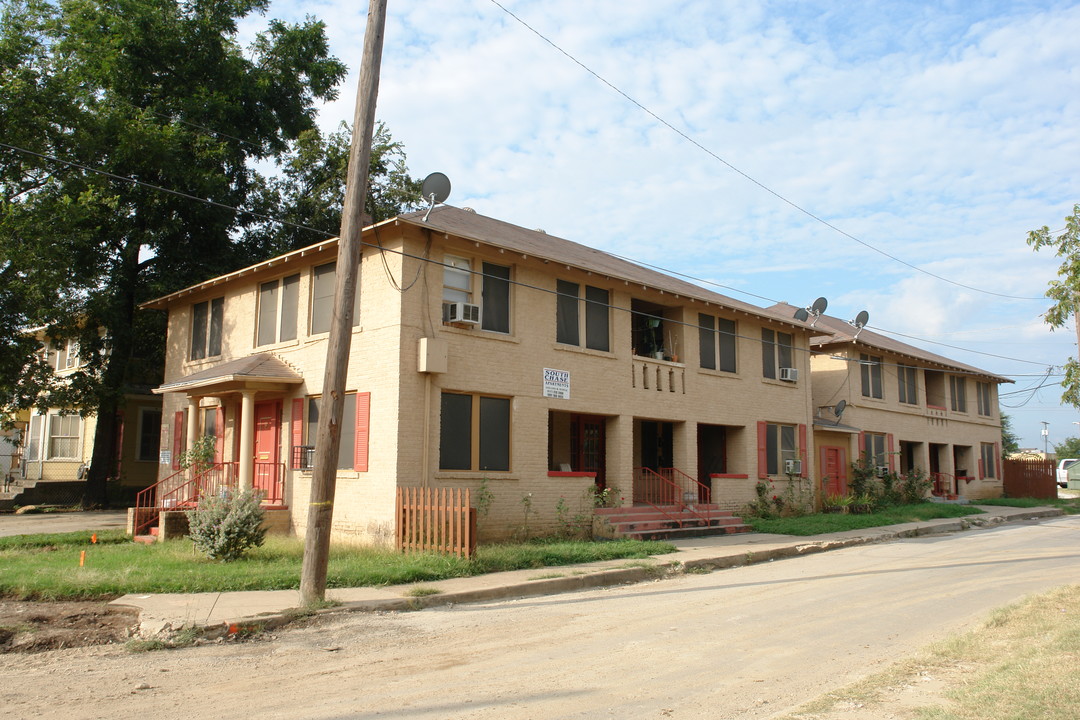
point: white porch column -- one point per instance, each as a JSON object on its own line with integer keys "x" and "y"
{"x": 192, "y": 423}
{"x": 247, "y": 439}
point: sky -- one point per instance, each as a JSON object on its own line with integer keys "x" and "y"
{"x": 773, "y": 150}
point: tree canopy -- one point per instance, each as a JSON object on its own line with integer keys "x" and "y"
{"x": 1010, "y": 441}
{"x": 1065, "y": 292}
{"x": 129, "y": 130}
{"x": 1068, "y": 448}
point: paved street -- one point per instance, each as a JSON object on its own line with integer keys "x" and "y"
{"x": 748, "y": 642}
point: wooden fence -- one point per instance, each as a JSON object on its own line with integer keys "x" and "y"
{"x": 1032, "y": 478}
{"x": 438, "y": 519}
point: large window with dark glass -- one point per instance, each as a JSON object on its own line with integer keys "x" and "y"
{"x": 206, "y": 321}
{"x": 870, "y": 369}
{"x": 475, "y": 432}
{"x": 717, "y": 343}
{"x": 776, "y": 352}
{"x": 571, "y": 314}
{"x": 323, "y": 280}
{"x": 908, "y": 389}
{"x": 278, "y": 302}
{"x": 495, "y": 295}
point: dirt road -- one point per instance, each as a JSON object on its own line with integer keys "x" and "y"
{"x": 745, "y": 643}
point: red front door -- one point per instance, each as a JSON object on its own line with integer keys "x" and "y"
{"x": 587, "y": 446}
{"x": 834, "y": 470}
{"x": 267, "y": 447}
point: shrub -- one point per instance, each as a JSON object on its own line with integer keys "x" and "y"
{"x": 224, "y": 526}
{"x": 913, "y": 487}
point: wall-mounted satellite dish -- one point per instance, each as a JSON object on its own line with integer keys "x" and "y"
{"x": 435, "y": 189}
{"x": 818, "y": 307}
{"x": 860, "y": 321}
{"x": 838, "y": 409}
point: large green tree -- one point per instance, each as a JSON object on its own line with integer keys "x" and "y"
{"x": 158, "y": 94}
{"x": 1010, "y": 441}
{"x": 1065, "y": 291}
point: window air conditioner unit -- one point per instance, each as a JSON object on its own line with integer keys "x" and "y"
{"x": 459, "y": 312}
{"x": 793, "y": 467}
{"x": 789, "y": 374}
{"x": 881, "y": 470}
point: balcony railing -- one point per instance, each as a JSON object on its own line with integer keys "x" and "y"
{"x": 658, "y": 375}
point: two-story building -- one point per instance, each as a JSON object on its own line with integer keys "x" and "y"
{"x": 902, "y": 408}
{"x": 483, "y": 353}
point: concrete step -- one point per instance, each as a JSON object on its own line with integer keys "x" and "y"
{"x": 687, "y": 532}
{"x": 660, "y": 523}
{"x": 145, "y": 539}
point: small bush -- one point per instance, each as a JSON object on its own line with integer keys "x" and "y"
{"x": 224, "y": 526}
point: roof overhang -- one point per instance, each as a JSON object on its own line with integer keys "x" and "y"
{"x": 260, "y": 372}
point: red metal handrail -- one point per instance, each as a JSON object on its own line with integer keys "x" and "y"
{"x": 661, "y": 487}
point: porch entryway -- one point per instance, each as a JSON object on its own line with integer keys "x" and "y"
{"x": 832, "y": 468}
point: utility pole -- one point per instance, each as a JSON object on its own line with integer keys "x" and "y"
{"x": 328, "y": 434}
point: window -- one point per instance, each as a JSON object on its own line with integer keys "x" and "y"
{"x": 982, "y": 391}
{"x": 277, "y": 310}
{"x": 149, "y": 438}
{"x": 355, "y": 429}
{"x": 777, "y": 444}
{"x": 323, "y": 280}
{"x": 775, "y": 352}
{"x": 870, "y": 367}
{"x": 33, "y": 439}
{"x": 958, "y": 393}
{"x": 905, "y": 375}
{"x": 988, "y": 460}
{"x": 475, "y": 433}
{"x": 494, "y": 291}
{"x": 874, "y": 449}
{"x": 717, "y": 341}
{"x": 67, "y": 354}
{"x": 64, "y": 436}
{"x": 569, "y": 314}
{"x": 206, "y": 320}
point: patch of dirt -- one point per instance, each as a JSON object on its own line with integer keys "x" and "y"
{"x": 33, "y": 626}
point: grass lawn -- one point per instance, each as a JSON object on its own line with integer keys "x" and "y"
{"x": 1068, "y": 505}
{"x": 829, "y": 523}
{"x": 47, "y": 566}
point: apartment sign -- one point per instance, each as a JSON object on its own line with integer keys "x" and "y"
{"x": 557, "y": 384}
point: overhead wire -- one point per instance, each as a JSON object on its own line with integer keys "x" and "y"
{"x": 746, "y": 175}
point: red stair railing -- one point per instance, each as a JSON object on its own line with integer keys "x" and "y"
{"x": 670, "y": 487}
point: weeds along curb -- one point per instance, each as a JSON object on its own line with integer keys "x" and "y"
{"x": 652, "y": 569}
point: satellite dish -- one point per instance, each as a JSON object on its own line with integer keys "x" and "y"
{"x": 819, "y": 306}
{"x": 435, "y": 189}
{"x": 838, "y": 409}
{"x": 861, "y": 319}
{"x": 801, "y": 315}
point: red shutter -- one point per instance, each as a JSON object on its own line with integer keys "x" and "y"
{"x": 802, "y": 451}
{"x": 982, "y": 468}
{"x": 178, "y": 438}
{"x": 997, "y": 460}
{"x": 862, "y": 445}
{"x": 219, "y": 434}
{"x": 762, "y": 458}
{"x": 363, "y": 419}
{"x": 891, "y": 450}
{"x": 297, "y": 427}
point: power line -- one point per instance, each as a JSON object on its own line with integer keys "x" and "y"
{"x": 747, "y": 176}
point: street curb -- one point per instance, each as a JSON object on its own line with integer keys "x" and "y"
{"x": 655, "y": 569}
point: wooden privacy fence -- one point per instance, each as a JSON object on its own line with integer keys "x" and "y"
{"x": 1032, "y": 478}
{"x": 438, "y": 519}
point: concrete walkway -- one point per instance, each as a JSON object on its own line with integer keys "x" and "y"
{"x": 61, "y": 522}
{"x": 224, "y": 612}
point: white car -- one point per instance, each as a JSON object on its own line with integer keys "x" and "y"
{"x": 1063, "y": 470}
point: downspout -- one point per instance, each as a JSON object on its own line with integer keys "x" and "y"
{"x": 427, "y": 430}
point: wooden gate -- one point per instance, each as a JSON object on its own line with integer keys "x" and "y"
{"x": 1030, "y": 478}
{"x": 436, "y": 519}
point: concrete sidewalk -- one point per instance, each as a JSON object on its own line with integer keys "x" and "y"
{"x": 224, "y": 612}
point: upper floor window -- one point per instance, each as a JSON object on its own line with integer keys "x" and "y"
{"x": 958, "y": 393}
{"x": 67, "y": 354}
{"x": 776, "y": 352}
{"x": 206, "y": 321}
{"x": 323, "y": 280}
{"x": 717, "y": 340}
{"x": 475, "y": 432}
{"x": 494, "y": 295}
{"x": 870, "y": 367}
{"x": 982, "y": 391}
{"x": 905, "y": 375}
{"x": 278, "y": 302}
{"x": 571, "y": 313}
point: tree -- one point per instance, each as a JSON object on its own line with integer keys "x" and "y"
{"x": 1068, "y": 448}
{"x": 1010, "y": 442}
{"x": 160, "y": 92}
{"x": 1065, "y": 292}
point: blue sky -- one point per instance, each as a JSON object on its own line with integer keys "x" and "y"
{"x": 940, "y": 133}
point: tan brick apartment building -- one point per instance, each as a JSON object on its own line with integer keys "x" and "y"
{"x": 485, "y": 352}
{"x": 904, "y": 408}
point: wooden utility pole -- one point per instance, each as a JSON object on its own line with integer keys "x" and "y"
{"x": 328, "y": 435}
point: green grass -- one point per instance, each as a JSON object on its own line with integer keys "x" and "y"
{"x": 1069, "y": 505}
{"x": 47, "y": 566}
{"x": 819, "y": 524}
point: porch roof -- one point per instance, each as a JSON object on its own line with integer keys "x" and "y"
{"x": 829, "y": 425}
{"x": 262, "y": 371}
